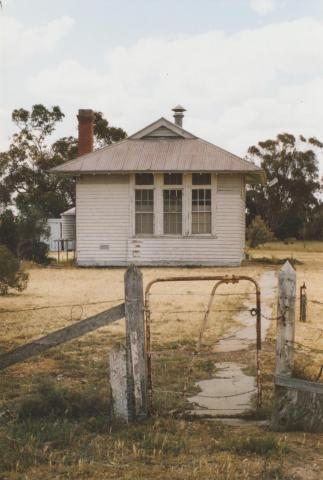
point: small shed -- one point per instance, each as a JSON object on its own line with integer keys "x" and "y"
{"x": 68, "y": 233}
{"x": 55, "y": 232}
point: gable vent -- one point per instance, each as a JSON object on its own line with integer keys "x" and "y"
{"x": 162, "y": 132}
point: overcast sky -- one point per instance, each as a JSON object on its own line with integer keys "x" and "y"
{"x": 245, "y": 70}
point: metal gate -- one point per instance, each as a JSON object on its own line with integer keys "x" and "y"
{"x": 220, "y": 280}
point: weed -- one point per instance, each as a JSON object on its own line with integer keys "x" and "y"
{"x": 53, "y": 400}
{"x": 265, "y": 445}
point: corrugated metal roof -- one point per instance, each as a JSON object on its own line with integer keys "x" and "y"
{"x": 159, "y": 155}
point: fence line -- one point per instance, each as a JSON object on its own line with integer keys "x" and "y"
{"x": 45, "y": 307}
{"x": 62, "y": 336}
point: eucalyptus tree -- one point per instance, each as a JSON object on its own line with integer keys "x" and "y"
{"x": 289, "y": 206}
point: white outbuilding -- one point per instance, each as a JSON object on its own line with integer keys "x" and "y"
{"x": 163, "y": 196}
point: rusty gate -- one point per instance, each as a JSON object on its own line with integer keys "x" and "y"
{"x": 220, "y": 280}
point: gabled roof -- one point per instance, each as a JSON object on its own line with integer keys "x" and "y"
{"x": 161, "y": 147}
{"x": 172, "y": 129}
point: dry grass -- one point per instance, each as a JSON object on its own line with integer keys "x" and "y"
{"x": 54, "y": 421}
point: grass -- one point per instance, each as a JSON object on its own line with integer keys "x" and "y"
{"x": 275, "y": 261}
{"x": 294, "y": 246}
{"x": 54, "y": 409}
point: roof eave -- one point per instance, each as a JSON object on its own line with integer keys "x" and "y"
{"x": 252, "y": 177}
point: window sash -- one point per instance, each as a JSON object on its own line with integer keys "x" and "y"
{"x": 173, "y": 211}
{"x": 201, "y": 179}
{"x": 144, "y": 211}
{"x": 201, "y": 211}
{"x": 173, "y": 179}
{"x": 144, "y": 179}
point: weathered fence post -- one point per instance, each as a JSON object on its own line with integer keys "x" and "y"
{"x": 135, "y": 344}
{"x": 302, "y": 303}
{"x": 119, "y": 383}
{"x": 285, "y": 320}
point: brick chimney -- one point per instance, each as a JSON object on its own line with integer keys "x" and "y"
{"x": 85, "y": 122}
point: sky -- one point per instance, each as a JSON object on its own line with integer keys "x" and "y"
{"x": 245, "y": 70}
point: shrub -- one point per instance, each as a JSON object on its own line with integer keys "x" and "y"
{"x": 289, "y": 240}
{"x": 258, "y": 232}
{"x": 36, "y": 251}
{"x": 11, "y": 273}
{"x": 23, "y": 234}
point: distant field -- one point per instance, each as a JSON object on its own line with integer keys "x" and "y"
{"x": 298, "y": 246}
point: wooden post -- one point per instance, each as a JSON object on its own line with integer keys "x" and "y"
{"x": 135, "y": 343}
{"x": 119, "y": 383}
{"x": 285, "y": 320}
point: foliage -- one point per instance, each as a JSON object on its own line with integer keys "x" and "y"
{"x": 105, "y": 135}
{"x": 25, "y": 175}
{"x": 258, "y": 232}
{"x": 23, "y": 234}
{"x": 288, "y": 206}
{"x": 27, "y": 184}
{"x": 11, "y": 273}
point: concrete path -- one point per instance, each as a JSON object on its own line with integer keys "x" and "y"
{"x": 230, "y": 392}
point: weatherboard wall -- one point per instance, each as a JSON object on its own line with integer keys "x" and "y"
{"x": 104, "y": 226}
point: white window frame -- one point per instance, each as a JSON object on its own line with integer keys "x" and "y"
{"x": 210, "y": 186}
{"x": 158, "y": 212}
{"x": 172, "y": 187}
{"x": 133, "y": 188}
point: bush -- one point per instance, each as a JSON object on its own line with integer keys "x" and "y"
{"x": 11, "y": 273}
{"x": 36, "y": 251}
{"x": 22, "y": 235}
{"x": 289, "y": 240}
{"x": 258, "y": 233}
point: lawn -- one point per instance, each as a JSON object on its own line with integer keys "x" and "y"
{"x": 54, "y": 409}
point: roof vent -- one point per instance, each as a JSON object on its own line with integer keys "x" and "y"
{"x": 179, "y": 115}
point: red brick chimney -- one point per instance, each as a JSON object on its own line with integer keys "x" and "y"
{"x": 85, "y": 140}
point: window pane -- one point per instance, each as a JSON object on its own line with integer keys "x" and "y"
{"x": 144, "y": 179}
{"x": 201, "y": 211}
{"x": 173, "y": 179}
{"x": 201, "y": 179}
{"x": 144, "y": 206}
{"x": 173, "y": 212}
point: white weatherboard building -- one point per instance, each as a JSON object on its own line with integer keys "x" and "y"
{"x": 161, "y": 197}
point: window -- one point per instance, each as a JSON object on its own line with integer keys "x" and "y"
{"x": 173, "y": 179}
{"x": 201, "y": 179}
{"x": 144, "y": 179}
{"x": 173, "y": 212}
{"x": 144, "y": 204}
{"x": 201, "y": 211}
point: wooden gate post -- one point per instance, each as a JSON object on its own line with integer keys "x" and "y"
{"x": 119, "y": 383}
{"x": 285, "y": 320}
{"x": 135, "y": 344}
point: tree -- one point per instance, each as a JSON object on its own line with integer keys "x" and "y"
{"x": 24, "y": 168}
{"x": 288, "y": 206}
{"x": 27, "y": 185}
{"x": 258, "y": 233}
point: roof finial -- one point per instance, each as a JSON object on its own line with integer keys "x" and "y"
{"x": 179, "y": 115}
